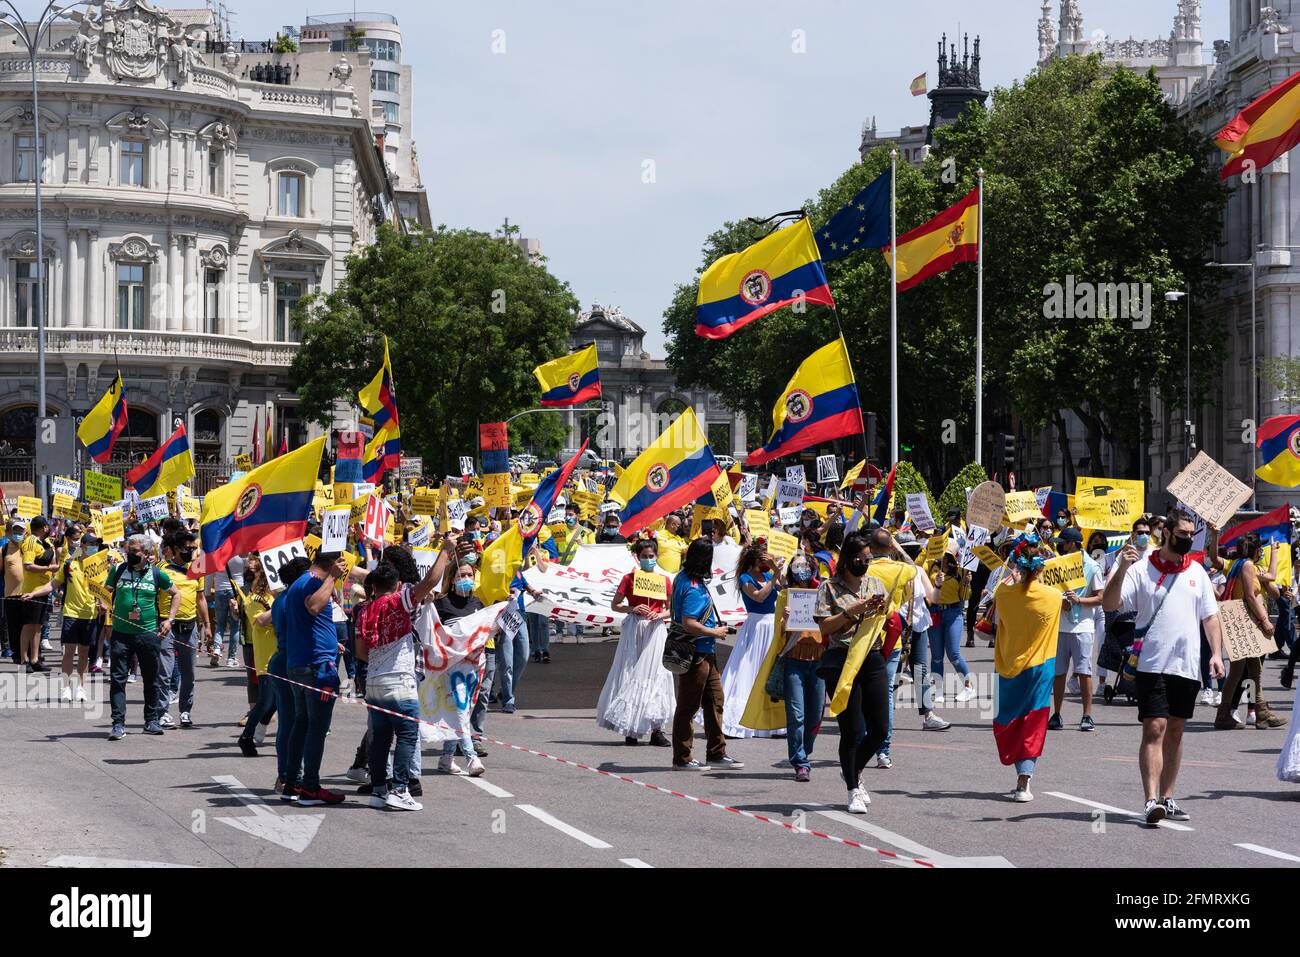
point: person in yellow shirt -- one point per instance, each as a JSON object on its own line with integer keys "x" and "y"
{"x": 39, "y": 564}
{"x": 672, "y": 546}
{"x": 180, "y": 646}
{"x": 953, "y": 586}
{"x": 256, "y": 605}
{"x": 12, "y": 555}
{"x": 80, "y": 616}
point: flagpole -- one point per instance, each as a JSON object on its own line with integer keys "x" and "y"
{"x": 979, "y": 331}
{"x": 893, "y": 307}
{"x": 866, "y": 452}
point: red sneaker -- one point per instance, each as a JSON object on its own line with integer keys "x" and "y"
{"x": 319, "y": 796}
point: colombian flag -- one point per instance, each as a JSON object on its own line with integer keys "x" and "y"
{"x": 170, "y": 465}
{"x": 1028, "y": 620}
{"x": 379, "y": 398}
{"x": 779, "y": 269}
{"x": 951, "y": 237}
{"x": 571, "y": 379}
{"x": 675, "y": 470}
{"x": 1279, "y": 448}
{"x": 820, "y": 403}
{"x": 532, "y": 519}
{"x": 265, "y": 508}
{"x": 1274, "y": 526}
{"x": 383, "y": 453}
{"x": 1263, "y": 131}
{"x": 102, "y": 424}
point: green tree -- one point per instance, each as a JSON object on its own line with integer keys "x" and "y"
{"x": 467, "y": 317}
{"x": 284, "y": 44}
{"x": 544, "y": 433}
{"x": 908, "y": 480}
{"x": 1283, "y": 374}
{"x": 954, "y": 496}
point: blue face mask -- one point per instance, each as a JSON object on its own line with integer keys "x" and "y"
{"x": 570, "y": 521}
{"x": 1142, "y": 541}
{"x": 465, "y": 586}
{"x": 18, "y": 536}
{"x": 90, "y": 549}
{"x": 647, "y": 564}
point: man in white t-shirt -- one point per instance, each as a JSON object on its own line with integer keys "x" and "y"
{"x": 1077, "y": 631}
{"x": 1173, "y": 599}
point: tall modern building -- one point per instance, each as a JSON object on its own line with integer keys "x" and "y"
{"x": 194, "y": 191}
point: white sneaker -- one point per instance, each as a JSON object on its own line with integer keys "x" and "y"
{"x": 1250, "y": 717}
{"x": 476, "y": 768}
{"x": 173, "y": 697}
{"x": 859, "y": 801}
{"x": 966, "y": 693}
{"x": 379, "y": 799}
{"x": 1022, "y": 796}
{"x": 232, "y": 663}
{"x": 99, "y": 663}
{"x": 884, "y": 761}
{"x": 904, "y": 679}
{"x": 357, "y": 775}
{"x": 132, "y": 679}
{"x": 79, "y": 694}
{"x": 45, "y": 645}
{"x": 933, "y": 722}
{"x": 166, "y": 720}
{"x": 186, "y": 720}
{"x": 1236, "y": 717}
{"x": 402, "y": 801}
{"x": 1072, "y": 685}
{"x": 66, "y": 693}
{"x": 938, "y": 697}
{"x": 1206, "y": 697}
{"x": 259, "y": 734}
{"x": 447, "y": 765}
{"x": 1218, "y": 698}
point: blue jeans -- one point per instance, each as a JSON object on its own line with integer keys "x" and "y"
{"x": 313, "y": 710}
{"x": 1026, "y": 766}
{"x": 484, "y": 689}
{"x": 539, "y": 632}
{"x": 1285, "y": 624}
{"x": 512, "y": 656}
{"x": 285, "y": 707}
{"x": 891, "y": 672}
{"x": 805, "y": 697}
{"x": 920, "y": 658}
{"x": 223, "y": 617}
{"x": 396, "y": 693}
{"x": 946, "y": 639}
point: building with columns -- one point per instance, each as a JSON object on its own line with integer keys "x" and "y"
{"x": 193, "y": 194}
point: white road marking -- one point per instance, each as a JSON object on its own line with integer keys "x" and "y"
{"x": 563, "y": 828}
{"x": 1172, "y": 825}
{"x": 1260, "y": 849}
{"x": 488, "y": 786}
{"x": 68, "y": 860}
{"x": 634, "y": 862}
{"x": 293, "y": 831}
{"x": 937, "y": 858}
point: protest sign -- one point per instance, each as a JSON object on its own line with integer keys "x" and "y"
{"x": 986, "y": 505}
{"x": 936, "y": 547}
{"x": 425, "y": 503}
{"x": 411, "y": 467}
{"x": 496, "y": 490}
{"x": 918, "y": 509}
{"x": 828, "y": 473}
{"x": 457, "y": 509}
{"x": 28, "y": 506}
{"x": 800, "y": 603}
{"x": 789, "y": 492}
{"x": 1064, "y": 573}
{"x": 1110, "y": 510}
{"x": 788, "y": 517}
{"x": 988, "y": 557}
{"x": 795, "y": 475}
{"x": 650, "y": 585}
{"x": 59, "y": 485}
{"x": 758, "y": 521}
{"x": 273, "y": 558}
{"x": 1209, "y": 490}
{"x": 748, "y": 488}
{"x": 334, "y": 529}
{"x": 110, "y": 528}
{"x": 153, "y": 509}
{"x": 781, "y": 545}
{"x": 98, "y": 588}
{"x": 419, "y": 536}
{"x": 424, "y": 557}
{"x": 189, "y": 507}
{"x": 95, "y": 567}
{"x": 65, "y": 506}
{"x": 1020, "y": 507}
{"x": 511, "y": 620}
{"x": 1242, "y": 638}
{"x": 722, "y": 495}
{"x": 466, "y": 466}
{"x": 244, "y": 462}
{"x": 966, "y": 542}
{"x": 1040, "y": 495}
{"x": 453, "y": 666}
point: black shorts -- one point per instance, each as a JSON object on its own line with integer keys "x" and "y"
{"x": 34, "y": 611}
{"x": 1165, "y": 696}
{"x": 79, "y": 631}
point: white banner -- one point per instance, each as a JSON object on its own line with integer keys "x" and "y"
{"x": 453, "y": 665}
{"x": 152, "y": 509}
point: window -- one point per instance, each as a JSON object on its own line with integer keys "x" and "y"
{"x": 215, "y": 169}
{"x": 130, "y": 297}
{"x": 25, "y": 293}
{"x": 212, "y": 300}
{"x": 288, "y": 293}
{"x": 390, "y": 112}
{"x": 382, "y": 49}
{"x": 132, "y": 169}
{"x": 291, "y": 194}
{"x": 383, "y": 81}
{"x": 26, "y": 159}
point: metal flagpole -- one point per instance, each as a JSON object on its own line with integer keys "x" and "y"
{"x": 893, "y": 307}
{"x": 979, "y": 332}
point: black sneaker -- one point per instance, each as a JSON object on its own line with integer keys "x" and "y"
{"x": 1155, "y": 812}
{"x": 1087, "y": 723}
{"x": 546, "y": 657}
{"x": 153, "y": 727}
{"x": 1288, "y": 677}
{"x": 630, "y": 741}
{"x": 365, "y": 789}
{"x": 660, "y": 740}
{"x": 1054, "y": 723}
{"x": 1174, "y": 812}
{"x": 247, "y": 747}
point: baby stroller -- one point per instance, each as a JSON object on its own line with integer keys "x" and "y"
{"x": 1119, "y": 656}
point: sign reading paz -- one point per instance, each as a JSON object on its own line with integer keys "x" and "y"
{"x": 1242, "y": 638}
{"x": 1209, "y": 490}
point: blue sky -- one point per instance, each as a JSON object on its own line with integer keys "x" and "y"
{"x": 554, "y": 132}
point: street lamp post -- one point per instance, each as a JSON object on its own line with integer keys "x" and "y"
{"x": 30, "y": 35}
{"x": 1254, "y": 375}
{"x": 1187, "y": 376}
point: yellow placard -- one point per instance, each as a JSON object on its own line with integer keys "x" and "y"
{"x": 425, "y": 503}
{"x": 988, "y": 556}
{"x": 28, "y": 507}
{"x": 496, "y": 490}
{"x": 244, "y": 462}
{"x": 312, "y": 543}
{"x": 358, "y": 510}
{"x": 1283, "y": 564}
{"x": 110, "y": 528}
{"x": 95, "y": 567}
{"x": 1064, "y": 573}
{"x": 935, "y": 547}
{"x": 782, "y": 545}
{"x": 101, "y": 488}
{"x": 189, "y": 507}
{"x": 759, "y": 522}
{"x": 1131, "y": 492}
{"x": 529, "y": 478}
{"x": 1021, "y": 507}
{"x": 66, "y": 506}
{"x": 650, "y": 585}
{"x": 100, "y": 590}
{"x": 722, "y": 494}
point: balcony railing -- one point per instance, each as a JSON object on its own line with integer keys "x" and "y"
{"x": 151, "y": 343}
{"x": 359, "y": 17}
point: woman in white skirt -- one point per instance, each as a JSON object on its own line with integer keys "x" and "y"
{"x": 638, "y": 697}
{"x": 758, "y": 577}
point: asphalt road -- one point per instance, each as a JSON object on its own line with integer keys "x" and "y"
{"x": 561, "y": 792}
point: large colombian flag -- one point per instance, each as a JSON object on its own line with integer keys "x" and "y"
{"x": 1263, "y": 131}
{"x": 383, "y": 453}
{"x": 262, "y": 509}
{"x": 676, "y": 469}
{"x": 1279, "y": 448}
{"x": 102, "y": 424}
{"x": 820, "y": 403}
{"x": 951, "y": 237}
{"x": 570, "y": 379}
{"x": 1026, "y": 665}
{"x": 779, "y": 269}
{"x": 379, "y": 397}
{"x": 171, "y": 465}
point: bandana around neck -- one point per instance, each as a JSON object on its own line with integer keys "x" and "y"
{"x": 1181, "y": 564}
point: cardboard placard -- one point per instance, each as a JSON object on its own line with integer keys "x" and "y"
{"x": 986, "y": 505}
{"x": 1209, "y": 490}
{"x": 918, "y": 509}
{"x": 800, "y": 603}
{"x": 1242, "y": 638}
{"x": 60, "y": 485}
{"x": 1111, "y": 511}
{"x": 1020, "y": 507}
{"x": 457, "y": 509}
{"x": 781, "y": 545}
{"x": 334, "y": 529}
{"x": 1064, "y": 573}
{"x": 828, "y": 472}
{"x": 650, "y": 585}
{"x": 312, "y": 544}
{"x": 153, "y": 509}
{"x": 988, "y": 557}
{"x": 974, "y": 535}
{"x": 425, "y": 503}
{"x": 722, "y": 494}
{"x": 496, "y": 490}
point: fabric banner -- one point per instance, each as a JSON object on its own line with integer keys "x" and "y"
{"x": 453, "y": 666}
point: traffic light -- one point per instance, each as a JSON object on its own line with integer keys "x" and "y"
{"x": 1006, "y": 448}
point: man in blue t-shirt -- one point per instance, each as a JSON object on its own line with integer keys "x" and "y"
{"x": 311, "y": 651}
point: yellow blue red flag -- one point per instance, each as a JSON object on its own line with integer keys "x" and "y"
{"x": 383, "y": 453}
{"x": 951, "y": 237}
{"x": 102, "y": 424}
{"x": 570, "y": 379}
{"x": 820, "y": 403}
{"x": 379, "y": 398}
{"x": 1279, "y": 450}
{"x": 675, "y": 470}
{"x": 171, "y": 464}
{"x": 779, "y": 269}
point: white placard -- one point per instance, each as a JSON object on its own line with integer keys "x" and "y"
{"x": 362, "y": 489}
{"x": 511, "y": 619}
{"x": 466, "y": 465}
{"x": 918, "y": 507}
{"x": 799, "y": 605}
{"x": 152, "y": 509}
{"x": 748, "y": 487}
{"x": 65, "y": 486}
{"x": 424, "y": 558}
{"x": 789, "y": 516}
{"x": 794, "y": 473}
{"x": 556, "y": 516}
{"x": 789, "y": 492}
{"x": 273, "y": 558}
{"x": 457, "y": 509}
{"x": 966, "y": 543}
{"x": 418, "y": 537}
{"x": 130, "y": 496}
{"x": 334, "y": 529}
{"x": 412, "y": 466}
{"x": 828, "y": 472}
{"x": 607, "y": 507}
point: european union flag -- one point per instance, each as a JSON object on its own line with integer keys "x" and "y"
{"x": 862, "y": 224}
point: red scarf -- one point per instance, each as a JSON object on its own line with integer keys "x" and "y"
{"x": 1170, "y": 568}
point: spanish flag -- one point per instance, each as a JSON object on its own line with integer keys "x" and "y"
{"x": 262, "y": 509}
{"x": 571, "y": 379}
{"x": 171, "y": 464}
{"x": 820, "y": 403}
{"x": 675, "y": 470}
{"x": 379, "y": 398}
{"x": 779, "y": 269}
{"x": 951, "y": 237}
{"x": 1263, "y": 131}
{"x": 918, "y": 85}
{"x": 1279, "y": 448}
{"x": 102, "y": 424}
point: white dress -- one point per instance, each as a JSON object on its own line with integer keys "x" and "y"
{"x": 638, "y": 696}
{"x": 740, "y": 672}
{"x": 1288, "y": 762}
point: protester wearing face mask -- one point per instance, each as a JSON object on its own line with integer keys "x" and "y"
{"x": 192, "y": 624}
{"x": 609, "y": 534}
{"x": 80, "y": 615}
{"x": 459, "y": 602}
{"x": 39, "y": 564}
{"x": 758, "y": 579}
{"x": 638, "y": 697}
{"x": 12, "y": 554}
{"x": 1077, "y": 633}
{"x": 671, "y": 544}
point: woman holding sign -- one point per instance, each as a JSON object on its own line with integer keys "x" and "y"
{"x": 758, "y": 579}
{"x": 638, "y": 697}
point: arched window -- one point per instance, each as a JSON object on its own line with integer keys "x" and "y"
{"x": 17, "y": 429}
{"x": 206, "y": 435}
